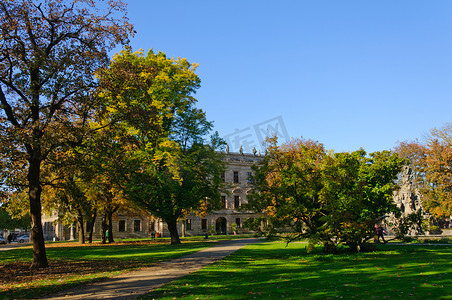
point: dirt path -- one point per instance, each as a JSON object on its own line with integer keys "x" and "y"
{"x": 133, "y": 284}
{"x": 14, "y": 245}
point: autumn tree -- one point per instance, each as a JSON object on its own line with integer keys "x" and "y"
{"x": 169, "y": 169}
{"x": 49, "y": 51}
{"x": 414, "y": 153}
{"x": 431, "y": 161}
{"x": 437, "y": 168}
{"x": 287, "y": 186}
{"x": 330, "y": 198}
{"x": 85, "y": 182}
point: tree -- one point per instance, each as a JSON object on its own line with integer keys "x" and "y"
{"x": 168, "y": 168}
{"x": 329, "y": 197}
{"x": 357, "y": 193}
{"x": 431, "y": 162}
{"x": 49, "y": 52}
{"x": 287, "y": 185}
{"x": 85, "y": 183}
{"x": 10, "y": 221}
{"x": 437, "y": 169}
{"x": 414, "y": 153}
{"x": 171, "y": 194}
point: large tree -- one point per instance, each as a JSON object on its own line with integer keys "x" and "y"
{"x": 324, "y": 196}
{"x": 49, "y": 51}
{"x": 356, "y": 194}
{"x": 287, "y": 186}
{"x": 168, "y": 168}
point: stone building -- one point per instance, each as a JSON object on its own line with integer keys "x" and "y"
{"x": 407, "y": 198}
{"x": 129, "y": 225}
{"x": 125, "y": 225}
{"x": 238, "y": 186}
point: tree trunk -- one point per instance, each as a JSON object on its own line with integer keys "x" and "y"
{"x": 34, "y": 194}
{"x": 104, "y": 228}
{"x": 81, "y": 229}
{"x": 172, "y": 227}
{"x": 91, "y": 226}
{"x": 110, "y": 228}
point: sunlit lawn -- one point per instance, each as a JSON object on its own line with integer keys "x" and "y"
{"x": 271, "y": 271}
{"x": 72, "y": 264}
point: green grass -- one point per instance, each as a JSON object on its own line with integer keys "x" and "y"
{"x": 271, "y": 271}
{"x": 149, "y": 253}
{"x": 89, "y": 263}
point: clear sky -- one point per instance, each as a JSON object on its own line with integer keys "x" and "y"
{"x": 348, "y": 73}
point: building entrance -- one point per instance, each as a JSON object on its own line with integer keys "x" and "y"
{"x": 221, "y": 225}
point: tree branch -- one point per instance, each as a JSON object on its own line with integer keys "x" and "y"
{"x": 8, "y": 110}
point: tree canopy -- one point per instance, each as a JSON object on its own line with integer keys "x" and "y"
{"x": 431, "y": 162}
{"x": 169, "y": 168}
{"x": 49, "y": 52}
{"x": 325, "y": 196}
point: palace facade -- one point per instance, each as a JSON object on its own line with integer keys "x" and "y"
{"x": 126, "y": 225}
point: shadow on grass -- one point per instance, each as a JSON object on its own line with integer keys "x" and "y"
{"x": 70, "y": 266}
{"x": 269, "y": 271}
{"x": 52, "y": 287}
{"x": 154, "y": 252}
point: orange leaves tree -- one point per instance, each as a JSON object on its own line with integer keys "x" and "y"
{"x": 48, "y": 53}
{"x": 431, "y": 162}
{"x": 288, "y": 184}
{"x": 327, "y": 197}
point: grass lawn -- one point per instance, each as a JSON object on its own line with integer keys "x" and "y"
{"x": 72, "y": 264}
{"x": 271, "y": 271}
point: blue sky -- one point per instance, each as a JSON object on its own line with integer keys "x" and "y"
{"x": 348, "y": 74}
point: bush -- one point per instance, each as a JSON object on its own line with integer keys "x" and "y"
{"x": 434, "y": 229}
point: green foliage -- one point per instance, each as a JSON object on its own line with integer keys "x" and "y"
{"x": 8, "y": 221}
{"x": 234, "y": 227}
{"x": 357, "y": 192}
{"x": 212, "y": 229}
{"x": 330, "y": 198}
{"x": 169, "y": 169}
{"x": 402, "y": 225}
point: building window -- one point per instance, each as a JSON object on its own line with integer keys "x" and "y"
{"x": 237, "y": 222}
{"x": 249, "y": 177}
{"x": 137, "y": 225}
{"x": 236, "y": 177}
{"x": 122, "y": 225}
{"x": 203, "y": 224}
{"x": 223, "y": 201}
{"x": 188, "y": 224}
{"x": 236, "y": 201}
{"x": 222, "y": 176}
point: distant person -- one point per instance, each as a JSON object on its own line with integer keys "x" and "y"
{"x": 10, "y": 238}
{"x": 153, "y": 235}
{"x": 379, "y": 230}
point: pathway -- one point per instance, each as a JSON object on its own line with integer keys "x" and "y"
{"x": 133, "y": 284}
